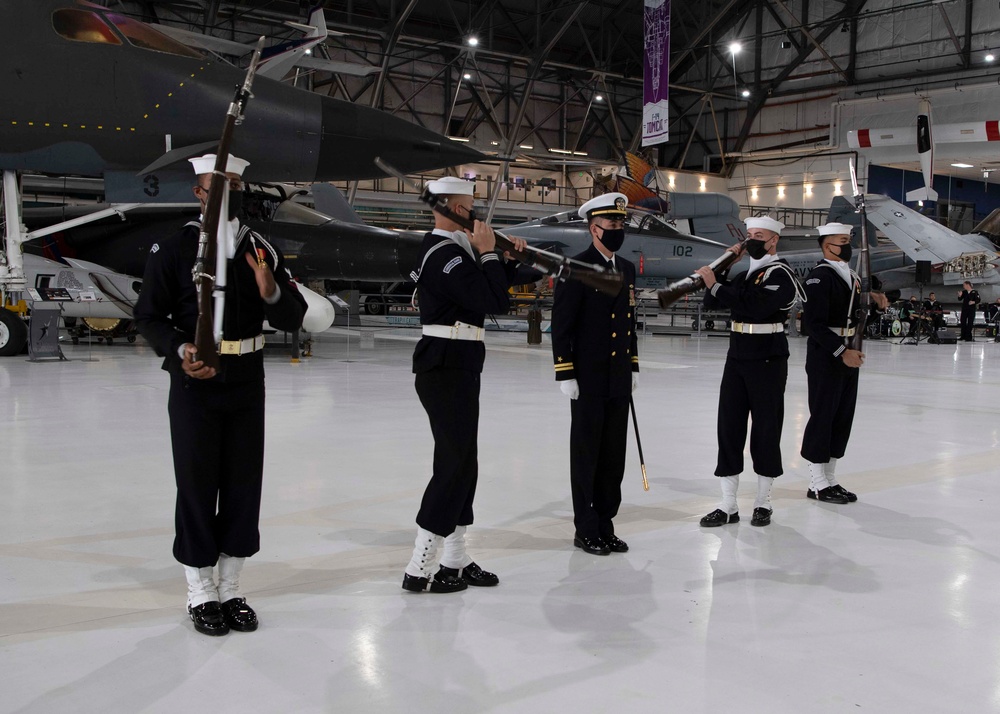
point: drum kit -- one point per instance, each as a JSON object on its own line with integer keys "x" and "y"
{"x": 886, "y": 326}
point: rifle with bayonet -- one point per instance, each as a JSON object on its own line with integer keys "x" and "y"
{"x": 209, "y": 271}
{"x": 558, "y": 266}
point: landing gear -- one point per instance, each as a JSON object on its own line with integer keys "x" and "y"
{"x": 13, "y": 333}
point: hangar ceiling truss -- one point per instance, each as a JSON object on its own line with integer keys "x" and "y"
{"x": 566, "y": 75}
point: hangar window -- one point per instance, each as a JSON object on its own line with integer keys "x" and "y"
{"x": 83, "y": 26}
{"x": 144, "y": 36}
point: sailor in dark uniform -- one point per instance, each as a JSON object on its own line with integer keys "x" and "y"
{"x": 933, "y": 310}
{"x": 461, "y": 279}
{"x": 217, "y": 419}
{"x": 753, "y": 381}
{"x": 831, "y": 315}
{"x": 596, "y": 357}
{"x": 970, "y": 301}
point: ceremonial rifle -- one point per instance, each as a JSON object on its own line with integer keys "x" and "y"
{"x": 209, "y": 271}
{"x": 694, "y": 282}
{"x": 864, "y": 266}
{"x": 553, "y": 264}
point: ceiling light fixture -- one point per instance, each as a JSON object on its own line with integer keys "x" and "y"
{"x": 962, "y": 166}
{"x": 735, "y": 47}
{"x": 473, "y": 41}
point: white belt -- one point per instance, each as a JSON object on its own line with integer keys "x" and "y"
{"x": 758, "y": 328}
{"x": 458, "y": 331}
{"x": 843, "y": 331}
{"x": 241, "y": 347}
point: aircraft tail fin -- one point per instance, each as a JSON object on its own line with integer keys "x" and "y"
{"x": 329, "y": 200}
{"x": 924, "y": 193}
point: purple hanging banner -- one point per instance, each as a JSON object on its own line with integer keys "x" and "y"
{"x": 656, "y": 72}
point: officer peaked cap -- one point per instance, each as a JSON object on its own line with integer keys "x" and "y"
{"x": 206, "y": 164}
{"x": 610, "y": 205}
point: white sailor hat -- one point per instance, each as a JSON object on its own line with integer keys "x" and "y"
{"x": 834, "y": 229}
{"x": 765, "y": 222}
{"x": 206, "y": 164}
{"x": 610, "y": 205}
{"x": 452, "y": 186}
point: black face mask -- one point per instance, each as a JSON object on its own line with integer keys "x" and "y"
{"x": 845, "y": 252}
{"x": 612, "y": 238}
{"x": 756, "y": 249}
{"x": 235, "y": 203}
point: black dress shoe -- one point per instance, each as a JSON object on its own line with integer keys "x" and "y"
{"x": 594, "y": 546}
{"x": 851, "y": 497}
{"x": 615, "y": 544}
{"x": 440, "y": 583}
{"x": 239, "y": 616}
{"x": 830, "y": 494}
{"x": 472, "y": 574}
{"x": 761, "y": 517}
{"x": 208, "y": 619}
{"x": 718, "y": 517}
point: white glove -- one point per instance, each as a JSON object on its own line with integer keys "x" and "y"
{"x": 570, "y": 387}
{"x": 635, "y": 381}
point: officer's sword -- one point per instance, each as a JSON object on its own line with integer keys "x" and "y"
{"x": 638, "y": 442}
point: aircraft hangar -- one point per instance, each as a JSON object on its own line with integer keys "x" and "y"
{"x": 765, "y": 108}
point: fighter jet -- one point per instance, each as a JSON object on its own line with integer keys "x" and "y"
{"x": 954, "y": 258}
{"x": 89, "y": 91}
{"x": 316, "y": 245}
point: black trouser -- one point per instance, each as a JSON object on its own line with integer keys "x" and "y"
{"x": 967, "y": 321}
{"x": 833, "y": 395}
{"x": 597, "y": 440}
{"x": 753, "y": 389}
{"x": 451, "y": 399}
{"x": 217, "y": 435}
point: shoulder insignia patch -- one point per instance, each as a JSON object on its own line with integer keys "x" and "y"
{"x": 813, "y": 281}
{"x": 452, "y": 263}
{"x": 156, "y": 247}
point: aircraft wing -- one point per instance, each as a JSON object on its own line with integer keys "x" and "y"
{"x": 276, "y": 65}
{"x": 917, "y": 235}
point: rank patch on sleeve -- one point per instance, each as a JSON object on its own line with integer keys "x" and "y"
{"x": 452, "y": 263}
{"x": 813, "y": 281}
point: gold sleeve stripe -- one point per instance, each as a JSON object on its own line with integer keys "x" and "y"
{"x": 564, "y": 366}
{"x": 635, "y": 358}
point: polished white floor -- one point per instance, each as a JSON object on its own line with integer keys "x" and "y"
{"x": 886, "y": 605}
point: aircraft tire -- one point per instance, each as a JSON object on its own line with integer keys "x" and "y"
{"x": 13, "y": 333}
{"x": 710, "y": 324}
{"x": 374, "y": 305}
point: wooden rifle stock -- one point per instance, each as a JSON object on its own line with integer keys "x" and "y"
{"x": 204, "y": 271}
{"x": 694, "y": 282}
{"x": 558, "y": 266}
